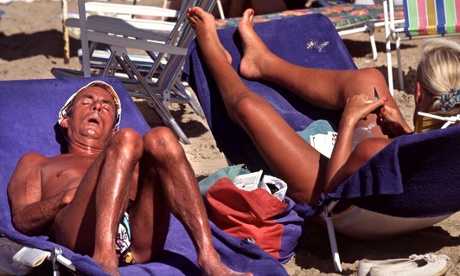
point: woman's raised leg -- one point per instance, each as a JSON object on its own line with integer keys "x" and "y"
{"x": 287, "y": 154}
{"x": 329, "y": 89}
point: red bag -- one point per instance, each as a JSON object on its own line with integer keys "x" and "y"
{"x": 256, "y": 216}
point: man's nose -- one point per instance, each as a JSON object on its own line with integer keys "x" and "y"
{"x": 97, "y": 106}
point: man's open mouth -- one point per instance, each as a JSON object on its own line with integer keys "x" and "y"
{"x": 94, "y": 119}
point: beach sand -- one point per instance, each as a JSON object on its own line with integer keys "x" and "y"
{"x": 31, "y": 44}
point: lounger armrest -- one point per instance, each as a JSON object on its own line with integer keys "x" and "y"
{"x": 136, "y": 43}
{"x": 111, "y": 25}
{"x": 148, "y": 25}
{"x": 130, "y": 9}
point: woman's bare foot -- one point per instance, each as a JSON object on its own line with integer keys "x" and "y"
{"x": 255, "y": 51}
{"x": 204, "y": 25}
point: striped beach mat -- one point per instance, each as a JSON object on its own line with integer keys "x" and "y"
{"x": 341, "y": 15}
{"x": 431, "y": 17}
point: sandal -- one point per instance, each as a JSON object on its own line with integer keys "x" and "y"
{"x": 420, "y": 265}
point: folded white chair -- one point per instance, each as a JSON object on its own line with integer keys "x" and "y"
{"x": 165, "y": 46}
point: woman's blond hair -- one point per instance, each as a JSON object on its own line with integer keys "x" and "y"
{"x": 438, "y": 71}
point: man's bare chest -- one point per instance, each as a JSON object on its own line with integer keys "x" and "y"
{"x": 62, "y": 173}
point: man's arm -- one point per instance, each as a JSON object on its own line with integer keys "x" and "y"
{"x": 30, "y": 215}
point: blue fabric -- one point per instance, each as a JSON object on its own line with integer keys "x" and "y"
{"x": 28, "y": 117}
{"x": 316, "y": 127}
{"x": 229, "y": 172}
{"x": 293, "y": 227}
{"x": 415, "y": 176}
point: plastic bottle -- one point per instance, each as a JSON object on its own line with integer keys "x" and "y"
{"x": 362, "y": 133}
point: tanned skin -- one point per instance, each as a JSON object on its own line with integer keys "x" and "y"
{"x": 79, "y": 198}
{"x": 292, "y": 159}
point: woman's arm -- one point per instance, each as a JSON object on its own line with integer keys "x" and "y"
{"x": 343, "y": 161}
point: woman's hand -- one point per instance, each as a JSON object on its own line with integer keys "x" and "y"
{"x": 359, "y": 107}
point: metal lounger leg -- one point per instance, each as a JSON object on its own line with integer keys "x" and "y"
{"x": 326, "y": 214}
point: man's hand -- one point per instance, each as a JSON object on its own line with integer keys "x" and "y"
{"x": 35, "y": 218}
{"x": 67, "y": 196}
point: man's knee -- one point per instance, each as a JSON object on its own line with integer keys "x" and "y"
{"x": 126, "y": 144}
{"x": 161, "y": 143}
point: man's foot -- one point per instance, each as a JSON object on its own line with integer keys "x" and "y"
{"x": 110, "y": 265}
{"x": 255, "y": 51}
{"x": 204, "y": 25}
{"x": 214, "y": 266}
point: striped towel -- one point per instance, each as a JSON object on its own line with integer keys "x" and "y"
{"x": 431, "y": 17}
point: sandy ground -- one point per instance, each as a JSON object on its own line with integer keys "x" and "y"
{"x": 31, "y": 44}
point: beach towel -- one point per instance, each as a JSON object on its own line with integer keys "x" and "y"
{"x": 28, "y": 116}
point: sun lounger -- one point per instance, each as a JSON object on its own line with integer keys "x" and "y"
{"x": 28, "y": 123}
{"x": 410, "y": 185}
{"x": 346, "y": 18}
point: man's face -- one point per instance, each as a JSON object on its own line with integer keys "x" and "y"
{"x": 92, "y": 118}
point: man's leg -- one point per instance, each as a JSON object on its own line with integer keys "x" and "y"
{"x": 88, "y": 224}
{"x": 287, "y": 154}
{"x": 167, "y": 182}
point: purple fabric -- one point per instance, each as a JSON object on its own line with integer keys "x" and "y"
{"x": 28, "y": 117}
{"x": 415, "y": 176}
{"x": 292, "y": 230}
{"x": 293, "y": 39}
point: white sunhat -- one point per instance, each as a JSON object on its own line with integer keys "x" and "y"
{"x": 107, "y": 87}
